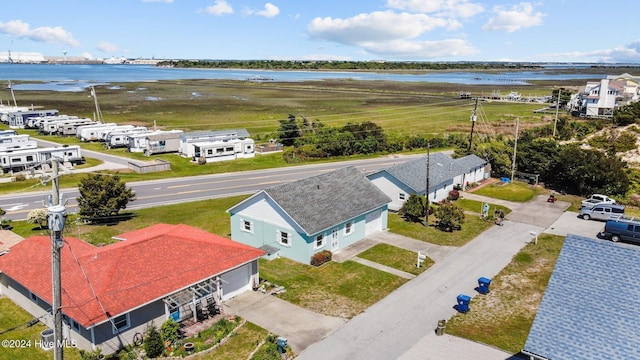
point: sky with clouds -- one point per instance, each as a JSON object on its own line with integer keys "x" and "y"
{"x": 393, "y": 30}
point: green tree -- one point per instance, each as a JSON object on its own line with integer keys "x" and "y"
{"x": 450, "y": 217}
{"x": 413, "y": 209}
{"x": 583, "y": 172}
{"x": 37, "y": 216}
{"x": 170, "y": 331}
{"x": 289, "y": 131}
{"x": 153, "y": 344}
{"x": 102, "y": 196}
{"x": 627, "y": 114}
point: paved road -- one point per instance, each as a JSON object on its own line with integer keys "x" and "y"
{"x": 194, "y": 188}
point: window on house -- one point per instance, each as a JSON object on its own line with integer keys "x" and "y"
{"x": 33, "y": 297}
{"x": 283, "y": 238}
{"x": 401, "y": 196}
{"x": 320, "y": 240}
{"x": 219, "y": 150}
{"x": 75, "y": 325}
{"x": 229, "y": 149}
{"x": 247, "y": 226}
{"x": 120, "y": 323}
{"x": 348, "y": 228}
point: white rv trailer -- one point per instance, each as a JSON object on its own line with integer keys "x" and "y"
{"x": 7, "y": 133}
{"x": 34, "y": 158}
{"x": 17, "y": 119}
{"x": 69, "y": 128}
{"x": 17, "y": 142}
{"x": 224, "y": 150}
{"x": 156, "y": 142}
{"x": 103, "y": 133}
{"x": 188, "y": 139}
{"x": 5, "y": 110}
{"x": 92, "y": 132}
{"x": 48, "y": 125}
{"x": 119, "y": 138}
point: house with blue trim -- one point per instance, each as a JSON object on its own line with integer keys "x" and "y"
{"x": 325, "y": 212}
{"x": 445, "y": 173}
{"x": 591, "y": 306}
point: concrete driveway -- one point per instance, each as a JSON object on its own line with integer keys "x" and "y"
{"x": 299, "y": 326}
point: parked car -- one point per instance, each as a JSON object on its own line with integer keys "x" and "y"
{"x": 597, "y": 199}
{"x": 601, "y": 211}
{"x": 622, "y": 228}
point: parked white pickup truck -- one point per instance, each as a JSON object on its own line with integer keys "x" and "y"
{"x": 597, "y": 199}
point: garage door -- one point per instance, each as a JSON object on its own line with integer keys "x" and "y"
{"x": 235, "y": 281}
{"x": 373, "y": 222}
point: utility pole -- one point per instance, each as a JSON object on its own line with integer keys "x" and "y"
{"x": 473, "y": 123}
{"x": 426, "y": 192}
{"x": 555, "y": 123}
{"x": 56, "y": 219}
{"x": 515, "y": 148}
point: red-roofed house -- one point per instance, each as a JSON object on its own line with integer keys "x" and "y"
{"x": 111, "y": 293}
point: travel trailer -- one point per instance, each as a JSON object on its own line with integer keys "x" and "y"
{"x": 155, "y": 142}
{"x": 92, "y": 132}
{"x": 34, "y": 158}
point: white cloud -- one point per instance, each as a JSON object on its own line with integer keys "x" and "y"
{"x": 269, "y": 11}
{"x": 220, "y": 7}
{"x": 629, "y": 53}
{"x": 86, "y": 55}
{"x": 390, "y": 34}
{"x": 517, "y": 17}
{"x": 376, "y": 26}
{"x": 448, "y": 8}
{"x": 107, "y": 47}
{"x": 163, "y": 1}
{"x": 421, "y": 49}
{"x": 46, "y": 34}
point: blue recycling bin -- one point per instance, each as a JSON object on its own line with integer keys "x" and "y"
{"x": 463, "y": 303}
{"x": 282, "y": 344}
{"x": 483, "y": 285}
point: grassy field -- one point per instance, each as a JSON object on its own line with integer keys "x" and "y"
{"x": 398, "y": 107}
{"x": 517, "y": 191}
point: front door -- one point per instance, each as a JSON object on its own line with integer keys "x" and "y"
{"x": 334, "y": 240}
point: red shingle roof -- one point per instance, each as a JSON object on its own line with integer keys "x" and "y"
{"x": 151, "y": 263}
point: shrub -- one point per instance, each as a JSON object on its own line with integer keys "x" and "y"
{"x": 321, "y": 257}
{"x": 153, "y": 342}
{"x": 454, "y": 195}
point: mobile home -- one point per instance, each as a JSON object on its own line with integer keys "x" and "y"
{"x": 156, "y": 142}
{"x": 92, "y": 132}
{"x": 70, "y": 127}
{"x": 224, "y": 150}
{"x": 119, "y": 138}
{"x": 17, "y": 142}
{"x": 48, "y": 125}
{"x": 22, "y": 159}
{"x": 187, "y": 140}
{"x": 17, "y": 119}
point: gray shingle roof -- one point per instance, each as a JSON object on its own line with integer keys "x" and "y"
{"x": 414, "y": 173}
{"x": 469, "y": 162}
{"x": 591, "y": 307}
{"x": 320, "y": 202}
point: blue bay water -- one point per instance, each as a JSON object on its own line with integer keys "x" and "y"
{"x": 67, "y": 77}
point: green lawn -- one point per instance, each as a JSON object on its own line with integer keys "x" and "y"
{"x": 515, "y": 191}
{"x": 396, "y": 258}
{"x": 14, "y": 327}
{"x": 473, "y": 225}
{"x": 504, "y": 316}
{"x": 334, "y": 289}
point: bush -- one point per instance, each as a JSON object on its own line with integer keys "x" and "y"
{"x": 153, "y": 342}
{"x": 454, "y": 195}
{"x": 321, "y": 257}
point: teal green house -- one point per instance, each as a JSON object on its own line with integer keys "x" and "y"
{"x": 325, "y": 212}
